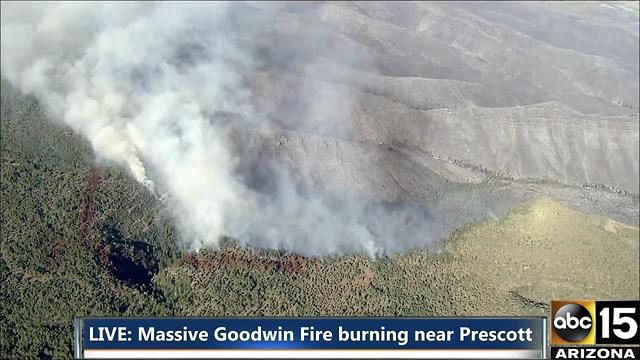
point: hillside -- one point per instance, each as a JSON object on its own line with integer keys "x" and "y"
{"x": 85, "y": 239}
{"x": 313, "y": 158}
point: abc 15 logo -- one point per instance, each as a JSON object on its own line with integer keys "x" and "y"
{"x": 590, "y": 322}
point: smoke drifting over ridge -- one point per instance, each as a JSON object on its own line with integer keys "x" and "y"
{"x": 161, "y": 89}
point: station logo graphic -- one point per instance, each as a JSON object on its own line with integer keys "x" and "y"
{"x": 573, "y": 322}
{"x": 590, "y": 329}
{"x": 590, "y": 322}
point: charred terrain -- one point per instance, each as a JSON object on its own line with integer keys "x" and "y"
{"x": 490, "y": 148}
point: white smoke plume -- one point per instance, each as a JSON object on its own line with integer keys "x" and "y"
{"x": 160, "y": 88}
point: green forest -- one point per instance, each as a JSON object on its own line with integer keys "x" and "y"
{"x": 78, "y": 237}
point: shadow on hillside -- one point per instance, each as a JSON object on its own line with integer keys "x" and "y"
{"x": 131, "y": 261}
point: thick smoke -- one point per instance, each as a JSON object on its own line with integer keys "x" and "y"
{"x": 165, "y": 91}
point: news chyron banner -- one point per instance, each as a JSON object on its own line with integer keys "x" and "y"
{"x": 590, "y": 329}
{"x": 325, "y": 338}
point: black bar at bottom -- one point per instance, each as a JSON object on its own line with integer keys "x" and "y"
{"x": 595, "y": 352}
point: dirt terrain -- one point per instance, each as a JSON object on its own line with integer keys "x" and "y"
{"x": 449, "y": 99}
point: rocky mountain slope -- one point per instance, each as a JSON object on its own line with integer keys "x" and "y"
{"x": 493, "y": 86}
